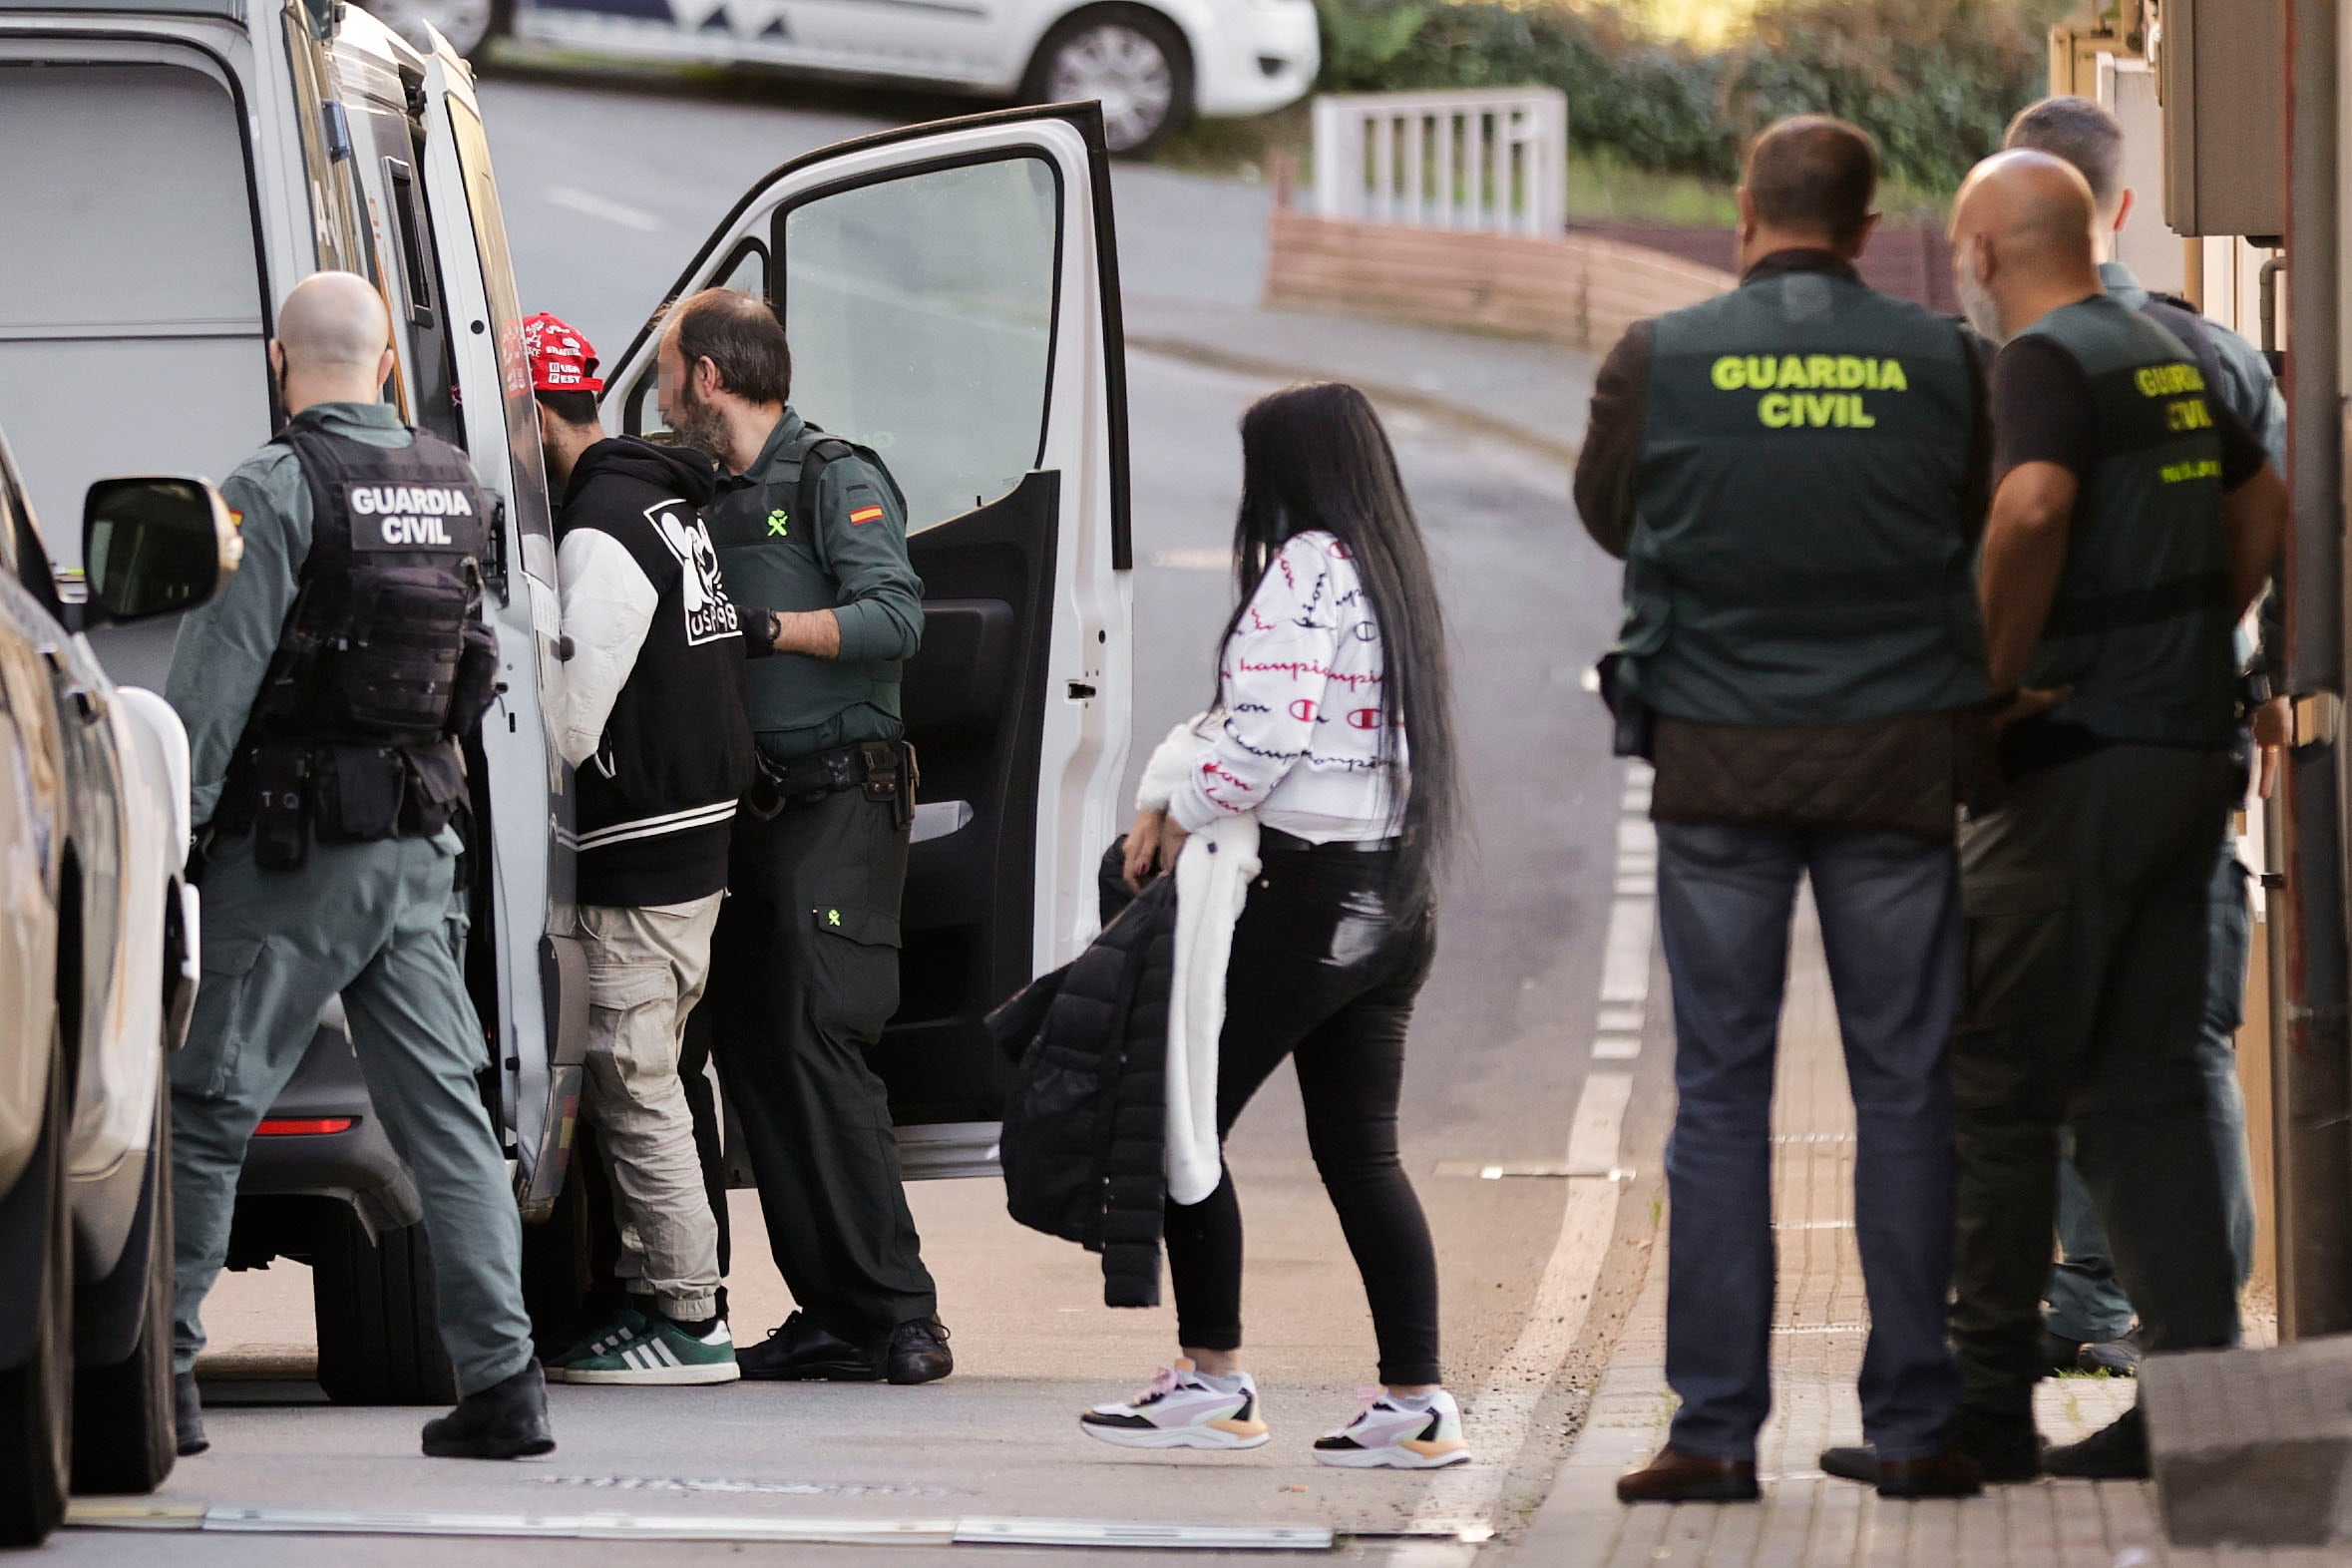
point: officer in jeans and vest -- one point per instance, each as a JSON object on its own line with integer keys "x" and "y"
{"x": 2090, "y": 1319}
{"x": 647, "y": 709}
{"x": 812, "y": 539}
{"x": 2134, "y": 522}
{"x": 1793, "y": 476}
{"x": 325, "y": 693}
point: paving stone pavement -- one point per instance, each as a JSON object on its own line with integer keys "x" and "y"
{"x": 1808, "y": 1520}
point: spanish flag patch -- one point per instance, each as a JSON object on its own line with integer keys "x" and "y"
{"x": 864, "y": 515}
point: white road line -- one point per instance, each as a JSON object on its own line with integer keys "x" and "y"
{"x": 1501, "y": 1418}
{"x": 1625, "y": 958}
{"x": 589, "y": 204}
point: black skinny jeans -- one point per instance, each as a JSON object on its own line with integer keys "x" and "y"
{"x": 1324, "y": 970}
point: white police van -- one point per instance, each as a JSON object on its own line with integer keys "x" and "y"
{"x": 952, "y": 295}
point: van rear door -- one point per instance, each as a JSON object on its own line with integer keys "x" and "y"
{"x": 952, "y": 294}
{"x": 541, "y": 1035}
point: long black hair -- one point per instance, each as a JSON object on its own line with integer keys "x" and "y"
{"x": 1316, "y": 458}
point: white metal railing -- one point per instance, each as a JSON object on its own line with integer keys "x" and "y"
{"x": 1494, "y": 160}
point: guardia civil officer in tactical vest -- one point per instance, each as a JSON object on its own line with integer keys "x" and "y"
{"x": 1794, "y": 475}
{"x": 2089, "y": 1317}
{"x": 325, "y": 693}
{"x": 811, "y": 535}
{"x": 2134, "y": 521}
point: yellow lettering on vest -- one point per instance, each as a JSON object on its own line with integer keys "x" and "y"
{"x": 2189, "y": 413}
{"x": 1772, "y": 409}
{"x": 1819, "y": 411}
{"x": 1852, "y": 372}
{"x": 1727, "y": 374}
{"x": 2167, "y": 380}
{"x": 1792, "y": 372}
{"x": 1890, "y": 377}
{"x": 1861, "y": 417}
{"x": 1821, "y": 370}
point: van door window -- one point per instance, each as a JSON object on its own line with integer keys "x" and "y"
{"x": 506, "y": 324}
{"x": 937, "y": 357}
{"x": 132, "y": 311}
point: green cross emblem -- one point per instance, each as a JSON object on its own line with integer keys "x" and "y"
{"x": 833, "y": 917}
{"x": 776, "y": 522}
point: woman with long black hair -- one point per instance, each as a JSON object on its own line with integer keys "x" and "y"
{"x": 1331, "y": 670}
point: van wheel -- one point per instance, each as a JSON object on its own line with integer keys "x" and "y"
{"x": 378, "y": 1342}
{"x": 1132, "y": 59}
{"x": 37, "y": 1394}
{"x": 124, "y": 1440}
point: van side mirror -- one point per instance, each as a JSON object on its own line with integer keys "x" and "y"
{"x": 153, "y": 547}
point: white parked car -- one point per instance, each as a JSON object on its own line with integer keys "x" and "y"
{"x": 96, "y": 979}
{"x": 1153, "y": 64}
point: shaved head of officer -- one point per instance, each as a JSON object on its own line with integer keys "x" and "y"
{"x": 334, "y": 343}
{"x": 2021, "y": 240}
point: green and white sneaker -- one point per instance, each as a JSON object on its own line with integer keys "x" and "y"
{"x": 648, "y": 1350}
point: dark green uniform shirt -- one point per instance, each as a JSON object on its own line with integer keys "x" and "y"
{"x": 851, "y": 559}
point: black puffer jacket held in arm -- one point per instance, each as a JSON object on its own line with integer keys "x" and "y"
{"x": 1085, "y": 1117}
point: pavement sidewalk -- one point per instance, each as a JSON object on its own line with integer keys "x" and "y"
{"x": 1808, "y": 1518}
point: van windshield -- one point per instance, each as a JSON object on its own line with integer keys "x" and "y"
{"x": 131, "y": 324}
{"x": 505, "y": 321}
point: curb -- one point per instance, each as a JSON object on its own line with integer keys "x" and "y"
{"x": 1413, "y": 399}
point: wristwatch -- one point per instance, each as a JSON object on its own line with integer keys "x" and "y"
{"x": 772, "y": 628}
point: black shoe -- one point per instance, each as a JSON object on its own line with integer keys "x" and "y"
{"x": 805, "y": 1350}
{"x": 918, "y": 1351}
{"x": 507, "y": 1420}
{"x": 187, "y": 1415}
{"x": 2005, "y": 1451}
{"x": 2116, "y": 1358}
{"x": 2006, "y": 1448}
{"x": 2060, "y": 1354}
{"x": 2116, "y": 1452}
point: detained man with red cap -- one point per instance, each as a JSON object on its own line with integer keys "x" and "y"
{"x": 647, "y": 707}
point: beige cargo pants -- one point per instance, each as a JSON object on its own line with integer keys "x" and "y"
{"x": 646, "y": 968}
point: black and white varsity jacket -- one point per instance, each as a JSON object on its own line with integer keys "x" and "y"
{"x": 649, "y": 710}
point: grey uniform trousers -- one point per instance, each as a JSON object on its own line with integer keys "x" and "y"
{"x": 2085, "y": 909}
{"x": 374, "y": 923}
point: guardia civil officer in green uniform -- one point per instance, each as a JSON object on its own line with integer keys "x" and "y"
{"x": 1793, "y": 476}
{"x": 2134, "y": 521}
{"x": 325, "y": 693}
{"x": 811, "y": 535}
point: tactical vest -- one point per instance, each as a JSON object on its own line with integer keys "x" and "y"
{"x": 383, "y": 663}
{"x": 1802, "y": 554}
{"x": 2141, "y": 626}
{"x": 774, "y": 557}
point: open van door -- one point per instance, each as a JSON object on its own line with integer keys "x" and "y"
{"x": 951, "y": 292}
{"x": 522, "y": 806}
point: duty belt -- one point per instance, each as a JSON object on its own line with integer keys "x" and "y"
{"x": 884, "y": 769}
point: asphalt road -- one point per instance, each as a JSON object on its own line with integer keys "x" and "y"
{"x": 607, "y": 194}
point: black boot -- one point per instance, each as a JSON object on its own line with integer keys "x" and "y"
{"x": 918, "y": 1351}
{"x": 805, "y": 1350}
{"x": 187, "y": 1415}
{"x": 2116, "y": 1452}
{"x": 507, "y": 1420}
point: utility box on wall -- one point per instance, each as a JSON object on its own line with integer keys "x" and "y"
{"x": 2220, "y": 64}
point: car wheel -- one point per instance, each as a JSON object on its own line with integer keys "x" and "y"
{"x": 125, "y": 1441}
{"x": 1132, "y": 61}
{"x": 468, "y": 25}
{"x": 37, "y": 1394}
{"x": 378, "y": 1340}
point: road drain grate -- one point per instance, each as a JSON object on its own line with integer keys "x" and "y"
{"x": 1102, "y": 1534}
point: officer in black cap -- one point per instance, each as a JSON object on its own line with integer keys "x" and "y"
{"x": 811, "y": 535}
{"x": 325, "y": 693}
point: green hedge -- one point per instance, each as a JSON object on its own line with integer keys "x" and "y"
{"x": 1933, "y": 80}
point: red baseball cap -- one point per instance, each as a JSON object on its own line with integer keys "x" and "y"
{"x": 561, "y": 359}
